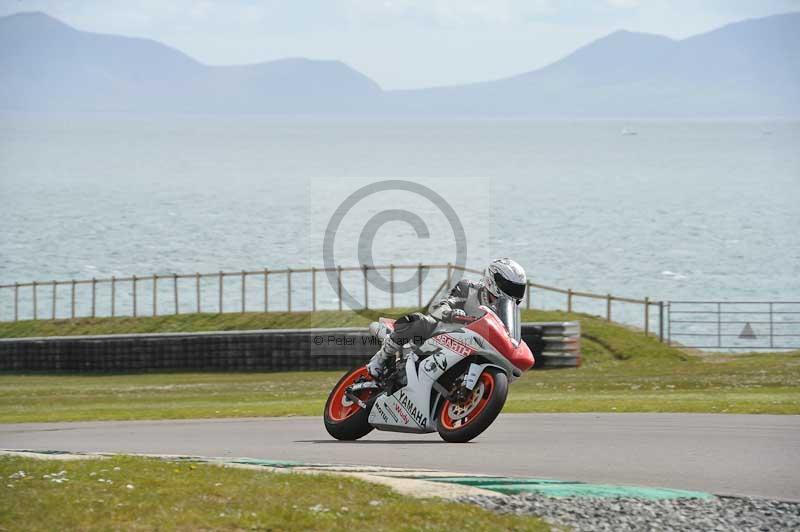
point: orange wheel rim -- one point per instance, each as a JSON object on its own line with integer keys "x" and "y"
{"x": 340, "y": 407}
{"x": 476, "y": 403}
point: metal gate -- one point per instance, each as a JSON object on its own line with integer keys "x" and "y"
{"x": 734, "y": 324}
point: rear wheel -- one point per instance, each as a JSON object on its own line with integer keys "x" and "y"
{"x": 465, "y": 419}
{"x": 344, "y": 419}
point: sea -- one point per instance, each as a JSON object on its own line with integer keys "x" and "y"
{"x": 671, "y": 210}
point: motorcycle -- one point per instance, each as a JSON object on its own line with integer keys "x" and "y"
{"x": 455, "y": 383}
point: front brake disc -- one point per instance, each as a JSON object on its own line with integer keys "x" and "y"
{"x": 458, "y": 411}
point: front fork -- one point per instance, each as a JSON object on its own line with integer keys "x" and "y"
{"x": 350, "y": 391}
{"x": 469, "y": 382}
{"x": 471, "y": 378}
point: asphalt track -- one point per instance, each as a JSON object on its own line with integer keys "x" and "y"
{"x": 755, "y": 455}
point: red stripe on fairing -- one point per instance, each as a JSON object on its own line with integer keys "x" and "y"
{"x": 492, "y": 330}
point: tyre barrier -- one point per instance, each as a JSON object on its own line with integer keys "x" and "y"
{"x": 553, "y": 344}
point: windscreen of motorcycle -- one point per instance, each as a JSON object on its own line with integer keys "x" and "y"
{"x": 508, "y": 311}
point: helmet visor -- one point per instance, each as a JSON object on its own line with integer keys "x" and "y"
{"x": 512, "y": 289}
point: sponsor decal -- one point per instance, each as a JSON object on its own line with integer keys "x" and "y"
{"x": 382, "y": 412}
{"x": 436, "y": 360}
{"x": 445, "y": 340}
{"x": 412, "y": 410}
{"x": 392, "y": 414}
{"x": 401, "y": 413}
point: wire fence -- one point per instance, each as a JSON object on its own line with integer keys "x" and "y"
{"x": 288, "y": 289}
{"x": 747, "y": 325}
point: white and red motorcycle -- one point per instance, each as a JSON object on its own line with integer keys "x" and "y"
{"x": 455, "y": 383}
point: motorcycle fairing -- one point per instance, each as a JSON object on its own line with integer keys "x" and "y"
{"x": 410, "y": 408}
{"x": 517, "y": 354}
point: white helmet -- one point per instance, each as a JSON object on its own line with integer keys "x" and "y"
{"x": 505, "y": 277}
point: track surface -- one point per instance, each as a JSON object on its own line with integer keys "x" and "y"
{"x": 723, "y": 454}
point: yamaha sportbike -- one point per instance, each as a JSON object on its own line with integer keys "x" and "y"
{"x": 455, "y": 383}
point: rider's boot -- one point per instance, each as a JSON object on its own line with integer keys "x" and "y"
{"x": 377, "y": 364}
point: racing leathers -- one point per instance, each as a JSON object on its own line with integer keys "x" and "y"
{"x": 465, "y": 299}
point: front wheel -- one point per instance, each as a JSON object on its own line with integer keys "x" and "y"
{"x": 461, "y": 421}
{"x": 344, "y": 419}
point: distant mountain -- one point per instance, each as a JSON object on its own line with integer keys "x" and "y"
{"x": 47, "y": 65}
{"x": 750, "y": 68}
{"x": 745, "y": 69}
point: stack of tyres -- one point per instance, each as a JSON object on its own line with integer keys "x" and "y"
{"x": 554, "y": 344}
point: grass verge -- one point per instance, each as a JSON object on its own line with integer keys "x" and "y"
{"x": 623, "y": 371}
{"x": 185, "y": 323}
{"x": 139, "y": 493}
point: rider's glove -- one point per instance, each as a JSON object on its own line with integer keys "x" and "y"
{"x": 456, "y": 315}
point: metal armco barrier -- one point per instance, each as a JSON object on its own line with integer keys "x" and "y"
{"x": 265, "y": 350}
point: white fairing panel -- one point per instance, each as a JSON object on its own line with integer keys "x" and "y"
{"x": 410, "y": 409}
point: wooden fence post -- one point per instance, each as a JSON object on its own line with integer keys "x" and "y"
{"x": 646, "y": 316}
{"x": 94, "y": 297}
{"x": 155, "y": 294}
{"x": 197, "y": 291}
{"x": 244, "y": 297}
{"x": 35, "y": 310}
{"x": 289, "y": 289}
{"x": 113, "y": 295}
{"x": 419, "y": 288}
{"x": 661, "y": 321}
{"x": 339, "y": 279}
{"x": 53, "y": 308}
{"x": 266, "y": 290}
{"x": 313, "y": 289}
{"x": 16, "y": 301}
{"x": 669, "y": 323}
{"x": 133, "y": 278}
{"x": 72, "y": 301}
{"x": 569, "y": 300}
{"x": 771, "y": 324}
{"x": 391, "y": 286}
{"x": 608, "y": 307}
{"x": 528, "y": 296}
{"x": 175, "y": 293}
{"x": 220, "y": 291}
{"x": 366, "y": 286}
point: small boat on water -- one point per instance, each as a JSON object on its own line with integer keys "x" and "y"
{"x": 627, "y": 132}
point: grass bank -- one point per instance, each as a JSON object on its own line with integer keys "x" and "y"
{"x": 182, "y": 323}
{"x": 623, "y": 371}
{"x": 151, "y": 494}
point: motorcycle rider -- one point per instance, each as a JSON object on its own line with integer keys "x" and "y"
{"x": 502, "y": 277}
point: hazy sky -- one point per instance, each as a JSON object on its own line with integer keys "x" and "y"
{"x": 398, "y": 43}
